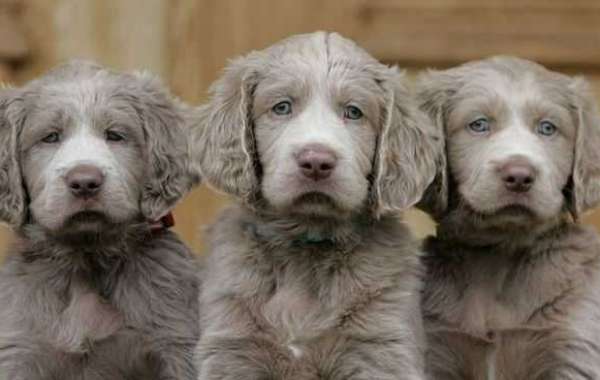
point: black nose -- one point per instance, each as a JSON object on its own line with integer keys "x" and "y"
{"x": 518, "y": 176}
{"x": 84, "y": 181}
{"x": 316, "y": 161}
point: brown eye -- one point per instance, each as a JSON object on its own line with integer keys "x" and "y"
{"x": 51, "y": 138}
{"x": 282, "y": 108}
{"x": 114, "y": 136}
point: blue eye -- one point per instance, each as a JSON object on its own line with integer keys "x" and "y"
{"x": 114, "y": 136}
{"x": 353, "y": 113}
{"x": 546, "y": 128}
{"x": 52, "y": 138}
{"x": 481, "y": 125}
{"x": 282, "y": 108}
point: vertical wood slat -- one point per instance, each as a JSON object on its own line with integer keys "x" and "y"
{"x": 125, "y": 35}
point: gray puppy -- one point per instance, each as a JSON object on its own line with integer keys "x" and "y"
{"x": 513, "y": 285}
{"x": 94, "y": 287}
{"x": 313, "y": 275}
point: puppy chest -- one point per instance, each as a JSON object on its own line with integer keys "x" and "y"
{"x": 510, "y": 355}
{"x": 487, "y": 297}
{"x": 86, "y": 320}
{"x": 493, "y": 324}
{"x": 295, "y": 312}
{"x": 301, "y": 317}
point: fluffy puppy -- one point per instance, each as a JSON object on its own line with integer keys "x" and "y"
{"x": 313, "y": 275}
{"x": 513, "y": 281}
{"x": 94, "y": 287}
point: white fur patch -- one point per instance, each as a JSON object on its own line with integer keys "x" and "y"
{"x": 87, "y": 318}
{"x": 316, "y": 124}
{"x": 296, "y": 351}
{"x": 83, "y": 144}
{"x": 478, "y": 159}
{"x": 82, "y": 147}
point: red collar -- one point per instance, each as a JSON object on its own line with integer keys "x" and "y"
{"x": 163, "y": 223}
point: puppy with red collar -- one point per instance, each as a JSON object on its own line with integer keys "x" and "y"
{"x": 96, "y": 286}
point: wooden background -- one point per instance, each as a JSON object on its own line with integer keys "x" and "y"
{"x": 188, "y": 42}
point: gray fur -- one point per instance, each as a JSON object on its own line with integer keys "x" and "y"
{"x": 309, "y": 290}
{"x": 226, "y": 152}
{"x": 512, "y": 296}
{"x": 102, "y": 297}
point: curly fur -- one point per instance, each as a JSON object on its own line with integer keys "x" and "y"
{"x": 116, "y": 301}
{"x": 11, "y": 187}
{"x": 293, "y": 295}
{"x": 512, "y": 297}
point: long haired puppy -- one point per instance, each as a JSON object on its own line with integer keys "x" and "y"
{"x": 95, "y": 286}
{"x": 313, "y": 275}
{"x": 513, "y": 284}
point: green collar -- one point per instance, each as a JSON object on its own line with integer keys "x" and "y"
{"x": 311, "y": 238}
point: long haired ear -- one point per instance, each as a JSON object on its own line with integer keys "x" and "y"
{"x": 13, "y": 208}
{"x": 224, "y": 145}
{"x": 434, "y": 90}
{"x": 585, "y": 192}
{"x": 169, "y": 175}
{"x": 407, "y": 149}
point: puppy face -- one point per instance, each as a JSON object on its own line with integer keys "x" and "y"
{"x": 316, "y": 131}
{"x": 514, "y": 135}
{"x": 511, "y": 144}
{"x": 88, "y": 148}
{"x": 82, "y": 155}
{"x": 314, "y": 125}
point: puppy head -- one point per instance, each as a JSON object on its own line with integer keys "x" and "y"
{"x": 519, "y": 141}
{"x": 87, "y": 147}
{"x": 314, "y": 125}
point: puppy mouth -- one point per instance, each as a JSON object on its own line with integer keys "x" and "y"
{"x": 87, "y": 228}
{"x": 87, "y": 218}
{"x": 515, "y": 210}
{"x": 314, "y": 203}
{"x": 315, "y": 197}
{"x": 505, "y": 216}
{"x": 505, "y": 209}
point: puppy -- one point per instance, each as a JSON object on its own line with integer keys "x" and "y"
{"x": 513, "y": 281}
{"x": 96, "y": 286}
{"x": 313, "y": 275}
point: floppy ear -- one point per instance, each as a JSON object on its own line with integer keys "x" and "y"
{"x": 169, "y": 175}
{"x": 13, "y": 209}
{"x": 434, "y": 90}
{"x": 585, "y": 192}
{"x": 407, "y": 149}
{"x": 224, "y": 145}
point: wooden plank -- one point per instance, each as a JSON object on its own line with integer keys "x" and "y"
{"x": 487, "y": 4}
{"x": 13, "y": 44}
{"x": 445, "y": 35}
{"x": 205, "y": 34}
{"x": 121, "y": 34}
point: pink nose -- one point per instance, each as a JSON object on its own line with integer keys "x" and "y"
{"x": 316, "y": 161}
{"x": 84, "y": 181}
{"x": 518, "y": 175}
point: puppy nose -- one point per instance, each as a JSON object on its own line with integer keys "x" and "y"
{"x": 84, "y": 180}
{"x": 518, "y": 176}
{"x": 316, "y": 161}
